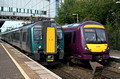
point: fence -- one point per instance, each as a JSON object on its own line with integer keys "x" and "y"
{"x": 114, "y": 40}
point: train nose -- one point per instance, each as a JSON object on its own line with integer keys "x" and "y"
{"x": 97, "y": 58}
{"x": 97, "y": 47}
{"x": 50, "y": 58}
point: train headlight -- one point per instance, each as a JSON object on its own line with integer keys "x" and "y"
{"x": 86, "y": 48}
{"x": 108, "y": 48}
{"x": 58, "y": 46}
{"x": 39, "y": 47}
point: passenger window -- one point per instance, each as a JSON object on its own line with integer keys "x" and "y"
{"x": 24, "y": 36}
{"x": 37, "y": 35}
{"x": 17, "y": 36}
{"x": 2, "y": 8}
{"x": 74, "y": 37}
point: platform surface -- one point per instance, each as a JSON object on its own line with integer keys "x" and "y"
{"x": 8, "y": 69}
{"x": 115, "y": 54}
{"x": 16, "y": 65}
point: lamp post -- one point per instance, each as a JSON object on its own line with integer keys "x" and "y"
{"x": 118, "y": 2}
{"x": 77, "y": 16}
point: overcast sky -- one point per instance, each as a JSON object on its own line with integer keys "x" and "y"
{"x": 11, "y": 24}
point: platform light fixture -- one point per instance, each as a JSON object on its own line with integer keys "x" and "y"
{"x": 76, "y": 15}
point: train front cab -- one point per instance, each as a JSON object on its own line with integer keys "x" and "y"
{"x": 50, "y": 44}
{"x": 60, "y": 43}
{"x": 96, "y": 47}
{"x": 44, "y": 43}
{"x": 37, "y": 41}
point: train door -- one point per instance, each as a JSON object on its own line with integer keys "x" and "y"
{"x": 20, "y": 38}
{"x": 68, "y": 37}
{"x": 74, "y": 47}
{"x": 24, "y": 40}
{"x": 50, "y": 40}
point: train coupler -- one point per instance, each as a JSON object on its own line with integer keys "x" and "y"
{"x": 50, "y": 58}
{"x": 97, "y": 70}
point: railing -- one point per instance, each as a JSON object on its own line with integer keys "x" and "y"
{"x": 8, "y": 16}
{"x": 23, "y": 18}
{"x": 114, "y": 40}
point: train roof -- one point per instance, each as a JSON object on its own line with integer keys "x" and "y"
{"x": 42, "y": 22}
{"x": 9, "y": 31}
{"x": 30, "y": 25}
{"x": 79, "y": 24}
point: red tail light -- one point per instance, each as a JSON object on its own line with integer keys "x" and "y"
{"x": 36, "y": 48}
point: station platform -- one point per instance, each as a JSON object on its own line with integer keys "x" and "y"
{"x": 115, "y": 54}
{"x": 16, "y": 65}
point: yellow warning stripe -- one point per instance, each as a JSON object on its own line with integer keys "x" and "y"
{"x": 94, "y": 26}
{"x": 18, "y": 66}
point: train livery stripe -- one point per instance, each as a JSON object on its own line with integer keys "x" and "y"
{"x": 94, "y": 26}
{"x": 18, "y": 66}
{"x": 50, "y": 40}
{"x": 97, "y": 47}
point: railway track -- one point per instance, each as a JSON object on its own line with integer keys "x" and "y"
{"x": 64, "y": 74}
{"x": 72, "y": 72}
{"x": 111, "y": 74}
{"x": 112, "y": 70}
{"x": 81, "y": 71}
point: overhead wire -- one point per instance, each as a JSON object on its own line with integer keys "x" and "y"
{"x": 27, "y": 3}
{"x": 49, "y": 4}
{"x": 45, "y": 6}
{"x": 36, "y": 4}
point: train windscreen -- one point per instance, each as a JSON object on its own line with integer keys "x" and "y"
{"x": 59, "y": 34}
{"x": 37, "y": 35}
{"x": 95, "y": 36}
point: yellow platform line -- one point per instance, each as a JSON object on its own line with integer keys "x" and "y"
{"x": 18, "y": 66}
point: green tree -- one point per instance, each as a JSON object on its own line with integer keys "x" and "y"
{"x": 106, "y": 12}
{"x": 64, "y": 12}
